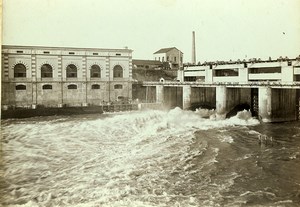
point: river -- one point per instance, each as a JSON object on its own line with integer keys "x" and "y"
{"x": 149, "y": 158}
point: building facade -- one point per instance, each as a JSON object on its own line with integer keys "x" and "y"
{"x": 59, "y": 76}
{"x": 282, "y": 70}
{"x": 172, "y": 56}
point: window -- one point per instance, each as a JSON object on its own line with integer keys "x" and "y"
{"x": 163, "y": 59}
{"x": 19, "y": 51}
{"x": 19, "y": 71}
{"x": 118, "y": 86}
{"x": 20, "y": 87}
{"x": 47, "y": 87}
{"x": 118, "y": 54}
{"x": 174, "y": 59}
{"x": 167, "y": 58}
{"x": 46, "y": 71}
{"x": 226, "y": 72}
{"x": 46, "y": 52}
{"x": 71, "y": 53}
{"x": 72, "y": 86}
{"x": 95, "y": 53}
{"x": 265, "y": 70}
{"x": 118, "y": 71}
{"x": 95, "y": 71}
{"x": 71, "y": 71}
{"x": 95, "y": 86}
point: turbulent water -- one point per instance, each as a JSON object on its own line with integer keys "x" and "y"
{"x": 150, "y": 158}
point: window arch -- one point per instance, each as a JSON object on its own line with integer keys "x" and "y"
{"x": 118, "y": 71}
{"x": 46, "y": 71}
{"x": 72, "y": 86}
{"x": 118, "y": 86}
{"x": 47, "y": 87}
{"x": 95, "y": 86}
{"x": 20, "y": 87}
{"x": 95, "y": 71}
{"x": 71, "y": 71}
{"x": 19, "y": 71}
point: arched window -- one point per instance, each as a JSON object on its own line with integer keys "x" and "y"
{"x": 95, "y": 71}
{"x": 46, "y": 71}
{"x": 20, "y": 71}
{"x": 118, "y": 71}
{"x": 95, "y": 86}
{"x": 47, "y": 87}
{"x": 118, "y": 86}
{"x": 71, "y": 71}
{"x": 20, "y": 87}
{"x": 72, "y": 86}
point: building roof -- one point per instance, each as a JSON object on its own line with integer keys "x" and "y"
{"x": 64, "y": 48}
{"x": 164, "y": 50}
{"x": 148, "y": 62}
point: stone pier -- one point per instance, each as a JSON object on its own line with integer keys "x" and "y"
{"x": 159, "y": 94}
{"x": 264, "y": 103}
{"x": 186, "y": 97}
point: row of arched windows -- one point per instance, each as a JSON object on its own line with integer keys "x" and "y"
{"x": 71, "y": 86}
{"x": 71, "y": 72}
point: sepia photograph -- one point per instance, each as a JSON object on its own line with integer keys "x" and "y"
{"x": 150, "y": 103}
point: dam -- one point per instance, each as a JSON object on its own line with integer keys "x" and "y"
{"x": 270, "y": 89}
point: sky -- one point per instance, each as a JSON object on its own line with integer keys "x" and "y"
{"x": 224, "y": 29}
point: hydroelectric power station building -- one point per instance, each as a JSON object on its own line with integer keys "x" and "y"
{"x": 59, "y": 76}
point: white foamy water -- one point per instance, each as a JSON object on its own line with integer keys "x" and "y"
{"x": 131, "y": 159}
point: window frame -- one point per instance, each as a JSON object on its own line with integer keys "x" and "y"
{"x": 22, "y": 70}
{"x": 68, "y": 72}
{"x": 43, "y": 73}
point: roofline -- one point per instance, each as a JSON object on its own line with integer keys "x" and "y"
{"x": 62, "y": 48}
{"x": 170, "y": 48}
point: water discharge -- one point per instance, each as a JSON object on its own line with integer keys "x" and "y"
{"x": 149, "y": 158}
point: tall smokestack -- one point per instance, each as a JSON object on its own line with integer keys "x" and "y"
{"x": 193, "y": 50}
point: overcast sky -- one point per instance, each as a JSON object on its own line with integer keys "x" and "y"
{"x": 225, "y": 29}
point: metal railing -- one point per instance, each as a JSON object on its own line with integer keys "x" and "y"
{"x": 245, "y": 84}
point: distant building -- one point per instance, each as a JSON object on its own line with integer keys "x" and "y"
{"x": 60, "y": 76}
{"x": 171, "y": 57}
{"x": 147, "y": 64}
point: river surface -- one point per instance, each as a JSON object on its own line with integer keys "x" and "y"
{"x": 149, "y": 158}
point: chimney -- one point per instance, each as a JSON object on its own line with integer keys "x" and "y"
{"x": 193, "y": 50}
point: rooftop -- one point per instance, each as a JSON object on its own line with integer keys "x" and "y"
{"x": 164, "y": 50}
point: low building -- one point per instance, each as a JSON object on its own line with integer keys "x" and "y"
{"x": 63, "y": 76}
{"x": 147, "y": 64}
{"x": 282, "y": 70}
{"x": 171, "y": 57}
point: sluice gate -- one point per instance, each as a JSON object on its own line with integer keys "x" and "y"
{"x": 268, "y": 102}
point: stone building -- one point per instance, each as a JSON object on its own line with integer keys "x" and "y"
{"x": 172, "y": 56}
{"x": 60, "y": 76}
